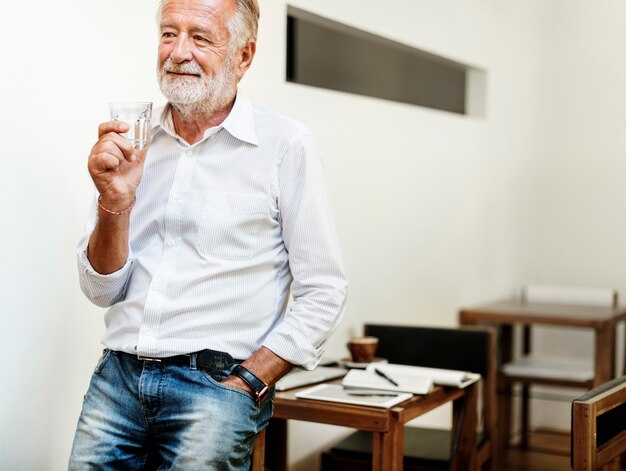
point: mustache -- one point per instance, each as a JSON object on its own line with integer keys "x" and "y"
{"x": 191, "y": 67}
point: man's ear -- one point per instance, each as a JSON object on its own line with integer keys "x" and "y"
{"x": 244, "y": 58}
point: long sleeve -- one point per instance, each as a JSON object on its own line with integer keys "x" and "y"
{"x": 102, "y": 290}
{"x": 224, "y": 234}
{"x": 319, "y": 284}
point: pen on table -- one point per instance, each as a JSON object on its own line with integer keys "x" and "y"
{"x": 380, "y": 373}
{"x": 350, "y": 393}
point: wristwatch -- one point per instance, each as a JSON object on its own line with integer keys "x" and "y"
{"x": 258, "y": 386}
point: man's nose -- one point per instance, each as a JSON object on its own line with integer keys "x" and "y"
{"x": 182, "y": 49}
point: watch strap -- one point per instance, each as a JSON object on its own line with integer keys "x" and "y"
{"x": 258, "y": 386}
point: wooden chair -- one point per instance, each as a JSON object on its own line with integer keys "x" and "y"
{"x": 467, "y": 349}
{"x": 599, "y": 427}
{"x": 532, "y": 368}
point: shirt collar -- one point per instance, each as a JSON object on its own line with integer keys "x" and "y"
{"x": 239, "y": 123}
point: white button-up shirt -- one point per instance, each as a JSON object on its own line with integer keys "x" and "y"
{"x": 221, "y": 232}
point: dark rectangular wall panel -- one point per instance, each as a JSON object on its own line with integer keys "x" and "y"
{"x": 324, "y": 53}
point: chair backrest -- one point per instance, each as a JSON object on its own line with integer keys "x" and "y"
{"x": 461, "y": 348}
{"x": 599, "y": 425}
{"x": 464, "y": 348}
{"x": 578, "y": 295}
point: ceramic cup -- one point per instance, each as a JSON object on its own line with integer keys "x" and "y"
{"x": 363, "y": 349}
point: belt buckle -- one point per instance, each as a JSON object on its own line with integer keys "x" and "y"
{"x": 158, "y": 360}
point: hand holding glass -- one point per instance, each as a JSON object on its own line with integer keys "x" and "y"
{"x": 137, "y": 115}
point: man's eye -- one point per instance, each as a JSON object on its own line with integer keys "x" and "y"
{"x": 167, "y": 35}
{"x": 200, "y": 39}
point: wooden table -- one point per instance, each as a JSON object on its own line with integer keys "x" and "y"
{"x": 602, "y": 320}
{"x": 387, "y": 425}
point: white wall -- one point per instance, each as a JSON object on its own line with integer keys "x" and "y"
{"x": 434, "y": 210}
{"x": 63, "y": 61}
{"x": 579, "y": 189}
{"x": 430, "y": 208}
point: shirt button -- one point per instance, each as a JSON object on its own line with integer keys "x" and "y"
{"x": 176, "y": 196}
{"x": 171, "y": 243}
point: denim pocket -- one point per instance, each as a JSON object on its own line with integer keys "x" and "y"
{"x": 215, "y": 377}
{"x": 106, "y": 353}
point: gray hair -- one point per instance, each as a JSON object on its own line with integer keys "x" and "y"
{"x": 242, "y": 26}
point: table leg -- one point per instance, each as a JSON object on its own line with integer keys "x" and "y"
{"x": 623, "y": 372}
{"x": 525, "y": 417}
{"x": 504, "y": 388}
{"x": 258, "y": 452}
{"x": 377, "y": 453}
{"x": 605, "y": 354}
{"x": 525, "y": 401}
{"x": 276, "y": 444}
{"x": 388, "y": 448}
{"x": 464, "y": 412}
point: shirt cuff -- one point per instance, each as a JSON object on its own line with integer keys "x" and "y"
{"x": 293, "y": 346}
{"x": 102, "y": 290}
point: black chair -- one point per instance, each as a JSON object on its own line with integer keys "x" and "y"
{"x": 466, "y": 349}
{"x": 599, "y": 427}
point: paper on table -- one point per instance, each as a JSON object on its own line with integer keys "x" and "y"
{"x": 459, "y": 379}
{"x": 335, "y": 393}
{"x": 368, "y": 380}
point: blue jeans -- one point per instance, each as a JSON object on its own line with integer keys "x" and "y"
{"x": 147, "y": 415}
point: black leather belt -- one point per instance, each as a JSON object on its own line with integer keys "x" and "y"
{"x": 210, "y": 359}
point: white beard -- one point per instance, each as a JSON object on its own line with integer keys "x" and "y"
{"x": 200, "y": 94}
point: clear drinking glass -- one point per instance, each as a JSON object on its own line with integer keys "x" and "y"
{"x": 137, "y": 115}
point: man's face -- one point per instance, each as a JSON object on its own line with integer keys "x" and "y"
{"x": 195, "y": 63}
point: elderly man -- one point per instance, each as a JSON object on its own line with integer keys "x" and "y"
{"x": 194, "y": 245}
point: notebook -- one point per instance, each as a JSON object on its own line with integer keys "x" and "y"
{"x": 336, "y": 393}
{"x": 299, "y": 377}
{"x": 443, "y": 377}
{"x": 369, "y": 380}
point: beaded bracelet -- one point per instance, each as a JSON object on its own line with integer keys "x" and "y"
{"x": 116, "y": 213}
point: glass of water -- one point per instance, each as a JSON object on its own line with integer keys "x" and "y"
{"x": 137, "y": 115}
